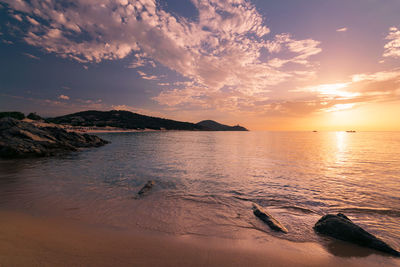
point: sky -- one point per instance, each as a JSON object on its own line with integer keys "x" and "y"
{"x": 263, "y": 64}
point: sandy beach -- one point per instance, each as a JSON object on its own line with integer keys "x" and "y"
{"x": 27, "y": 240}
{"x": 199, "y": 133}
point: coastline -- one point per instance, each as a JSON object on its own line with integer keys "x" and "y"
{"x": 111, "y": 129}
{"x": 53, "y": 241}
{"x": 83, "y": 129}
{"x": 93, "y": 131}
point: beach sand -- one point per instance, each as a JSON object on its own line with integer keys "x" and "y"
{"x": 27, "y": 240}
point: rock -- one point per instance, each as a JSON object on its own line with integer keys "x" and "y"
{"x": 268, "y": 219}
{"x": 341, "y": 227}
{"x": 147, "y": 187}
{"x": 23, "y": 139}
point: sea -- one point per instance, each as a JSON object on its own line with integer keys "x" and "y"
{"x": 207, "y": 182}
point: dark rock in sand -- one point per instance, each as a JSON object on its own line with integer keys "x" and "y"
{"x": 268, "y": 219}
{"x": 23, "y": 139}
{"x": 341, "y": 227}
{"x": 147, "y": 187}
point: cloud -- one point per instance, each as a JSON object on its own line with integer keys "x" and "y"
{"x": 196, "y": 96}
{"x": 7, "y": 42}
{"x": 333, "y": 90}
{"x": 164, "y": 84}
{"x": 392, "y": 48}
{"x": 32, "y": 21}
{"x": 31, "y": 56}
{"x": 221, "y": 50}
{"x": 146, "y": 76}
{"x": 63, "y": 97}
{"x": 344, "y": 29}
{"x": 17, "y": 17}
{"x": 141, "y": 60}
{"x": 377, "y": 76}
{"x": 302, "y": 48}
{"x": 357, "y": 90}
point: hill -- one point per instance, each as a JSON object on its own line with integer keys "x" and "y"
{"x": 122, "y": 119}
{"x": 129, "y": 120}
{"x": 210, "y": 125}
{"x": 12, "y": 114}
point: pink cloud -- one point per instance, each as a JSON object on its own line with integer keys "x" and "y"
{"x": 344, "y": 29}
{"x": 146, "y": 76}
{"x": 63, "y": 97}
{"x": 31, "y": 56}
{"x": 392, "y": 48}
{"x": 17, "y": 17}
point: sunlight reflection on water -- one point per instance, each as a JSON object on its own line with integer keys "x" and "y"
{"x": 206, "y": 181}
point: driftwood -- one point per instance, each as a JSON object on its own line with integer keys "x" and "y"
{"x": 268, "y": 219}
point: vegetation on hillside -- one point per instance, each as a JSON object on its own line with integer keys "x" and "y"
{"x": 13, "y": 114}
{"x": 128, "y": 120}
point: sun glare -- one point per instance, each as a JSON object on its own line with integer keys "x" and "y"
{"x": 333, "y": 90}
{"x": 340, "y": 107}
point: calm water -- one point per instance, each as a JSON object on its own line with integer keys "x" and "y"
{"x": 206, "y": 182}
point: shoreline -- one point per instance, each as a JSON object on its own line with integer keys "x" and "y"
{"x": 54, "y": 241}
{"x": 113, "y": 131}
{"x": 91, "y": 129}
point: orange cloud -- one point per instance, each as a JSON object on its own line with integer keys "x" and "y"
{"x": 63, "y": 97}
{"x": 392, "y": 48}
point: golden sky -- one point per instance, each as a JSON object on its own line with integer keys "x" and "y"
{"x": 267, "y": 65}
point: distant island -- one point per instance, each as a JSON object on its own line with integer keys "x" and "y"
{"x": 128, "y": 120}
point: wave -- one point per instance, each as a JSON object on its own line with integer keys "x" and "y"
{"x": 264, "y": 201}
{"x": 297, "y": 208}
{"x": 366, "y": 210}
{"x": 210, "y": 199}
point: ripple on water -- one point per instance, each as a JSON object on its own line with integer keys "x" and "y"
{"x": 207, "y": 181}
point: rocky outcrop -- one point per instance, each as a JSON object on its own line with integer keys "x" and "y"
{"x": 341, "y": 227}
{"x": 23, "y": 139}
{"x": 268, "y": 219}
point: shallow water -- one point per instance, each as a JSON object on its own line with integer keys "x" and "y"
{"x": 206, "y": 182}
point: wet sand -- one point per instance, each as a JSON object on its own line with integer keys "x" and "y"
{"x": 27, "y": 240}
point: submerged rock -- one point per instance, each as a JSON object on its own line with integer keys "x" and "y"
{"x": 268, "y": 219}
{"x": 341, "y": 227}
{"x": 23, "y": 139}
{"x": 147, "y": 187}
